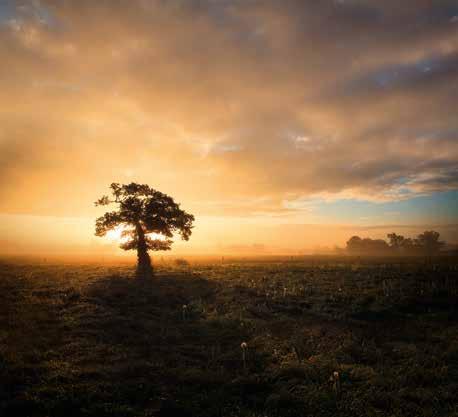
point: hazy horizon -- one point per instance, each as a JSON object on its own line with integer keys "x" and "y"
{"x": 215, "y": 240}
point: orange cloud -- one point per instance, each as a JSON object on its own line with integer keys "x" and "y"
{"x": 234, "y": 107}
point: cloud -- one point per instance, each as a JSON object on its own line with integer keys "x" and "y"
{"x": 228, "y": 101}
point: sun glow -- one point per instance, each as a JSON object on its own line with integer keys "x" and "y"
{"x": 115, "y": 235}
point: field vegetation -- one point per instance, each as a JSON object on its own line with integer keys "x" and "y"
{"x": 316, "y": 336}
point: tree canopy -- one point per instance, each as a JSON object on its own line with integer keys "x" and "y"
{"x": 149, "y": 219}
{"x": 426, "y": 243}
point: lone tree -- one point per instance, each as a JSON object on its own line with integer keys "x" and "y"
{"x": 141, "y": 212}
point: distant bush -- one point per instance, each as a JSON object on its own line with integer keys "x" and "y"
{"x": 182, "y": 262}
{"x": 427, "y": 243}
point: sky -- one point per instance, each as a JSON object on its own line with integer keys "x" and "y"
{"x": 283, "y": 126}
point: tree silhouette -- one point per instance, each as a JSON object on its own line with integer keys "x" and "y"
{"x": 429, "y": 242}
{"x": 141, "y": 212}
{"x": 395, "y": 241}
{"x": 367, "y": 246}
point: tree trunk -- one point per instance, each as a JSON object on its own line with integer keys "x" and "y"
{"x": 144, "y": 268}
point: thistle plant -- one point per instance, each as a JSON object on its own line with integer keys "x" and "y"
{"x": 244, "y": 348}
{"x": 335, "y": 379}
{"x": 184, "y": 311}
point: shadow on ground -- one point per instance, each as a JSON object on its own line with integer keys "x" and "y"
{"x": 94, "y": 341}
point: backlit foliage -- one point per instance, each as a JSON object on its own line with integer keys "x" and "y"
{"x": 143, "y": 212}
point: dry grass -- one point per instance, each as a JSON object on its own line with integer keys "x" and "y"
{"x": 89, "y": 340}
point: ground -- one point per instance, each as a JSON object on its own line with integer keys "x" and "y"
{"x": 234, "y": 338}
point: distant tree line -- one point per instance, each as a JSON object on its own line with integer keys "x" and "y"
{"x": 427, "y": 243}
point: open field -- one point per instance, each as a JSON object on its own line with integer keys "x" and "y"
{"x": 90, "y": 340}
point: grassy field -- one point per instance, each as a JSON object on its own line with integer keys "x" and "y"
{"x": 239, "y": 338}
